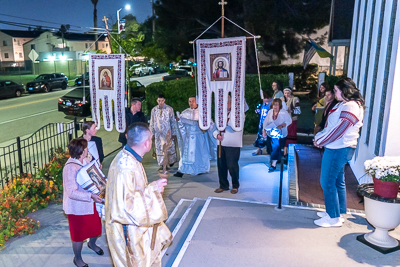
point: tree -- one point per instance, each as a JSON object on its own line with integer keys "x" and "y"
{"x": 131, "y": 39}
{"x": 94, "y": 2}
{"x": 282, "y": 24}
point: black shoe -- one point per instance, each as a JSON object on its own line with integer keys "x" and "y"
{"x": 80, "y": 266}
{"x": 170, "y": 165}
{"x": 178, "y": 174}
{"x": 272, "y": 169}
{"x": 100, "y": 252}
{"x": 161, "y": 168}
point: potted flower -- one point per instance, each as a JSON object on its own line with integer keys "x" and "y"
{"x": 385, "y": 172}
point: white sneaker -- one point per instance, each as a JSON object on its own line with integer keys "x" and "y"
{"x": 328, "y": 222}
{"x": 322, "y": 214}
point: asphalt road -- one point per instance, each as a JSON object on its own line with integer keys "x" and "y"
{"x": 24, "y": 115}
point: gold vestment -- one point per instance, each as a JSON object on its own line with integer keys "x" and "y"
{"x": 131, "y": 201}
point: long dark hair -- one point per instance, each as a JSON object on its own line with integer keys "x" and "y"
{"x": 350, "y": 92}
{"x": 326, "y": 86}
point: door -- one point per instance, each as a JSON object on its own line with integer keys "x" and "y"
{"x": 52, "y": 81}
{"x": 2, "y": 90}
{"x": 10, "y": 88}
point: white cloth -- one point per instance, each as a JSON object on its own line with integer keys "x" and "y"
{"x": 231, "y": 138}
{"x": 92, "y": 185}
{"x": 342, "y": 127}
{"x": 99, "y": 64}
{"x": 232, "y": 52}
{"x": 270, "y": 123}
{"x": 195, "y": 156}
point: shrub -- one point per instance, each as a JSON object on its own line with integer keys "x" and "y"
{"x": 26, "y": 194}
{"x": 177, "y": 93}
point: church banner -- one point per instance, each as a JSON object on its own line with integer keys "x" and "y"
{"x": 221, "y": 69}
{"x": 107, "y": 83}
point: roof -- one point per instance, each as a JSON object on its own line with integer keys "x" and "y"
{"x": 341, "y": 20}
{"x": 71, "y": 36}
{"x": 22, "y": 34}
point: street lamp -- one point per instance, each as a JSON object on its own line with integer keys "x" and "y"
{"x": 127, "y": 7}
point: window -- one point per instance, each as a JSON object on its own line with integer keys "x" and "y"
{"x": 5, "y": 55}
{"x": 9, "y": 83}
{"x": 20, "y": 55}
{"x": 102, "y": 45}
{"x": 86, "y": 45}
{"x": 4, "y": 43}
{"x": 107, "y": 45}
{"x": 32, "y": 46}
{"x": 15, "y": 40}
{"x": 19, "y": 42}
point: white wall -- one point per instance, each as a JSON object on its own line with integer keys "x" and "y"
{"x": 382, "y": 51}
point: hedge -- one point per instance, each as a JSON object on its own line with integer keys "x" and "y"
{"x": 177, "y": 93}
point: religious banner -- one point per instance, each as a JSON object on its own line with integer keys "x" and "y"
{"x": 107, "y": 83}
{"x": 221, "y": 69}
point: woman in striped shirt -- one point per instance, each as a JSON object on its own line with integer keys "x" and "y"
{"x": 339, "y": 137}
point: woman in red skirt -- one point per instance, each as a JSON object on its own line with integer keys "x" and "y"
{"x": 79, "y": 205}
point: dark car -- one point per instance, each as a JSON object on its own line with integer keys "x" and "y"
{"x": 47, "y": 82}
{"x": 137, "y": 90}
{"x": 9, "y": 89}
{"x": 79, "y": 80}
{"x": 73, "y": 104}
{"x": 176, "y": 75}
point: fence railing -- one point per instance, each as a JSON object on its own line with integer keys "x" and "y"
{"x": 27, "y": 155}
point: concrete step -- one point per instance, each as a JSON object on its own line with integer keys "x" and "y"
{"x": 181, "y": 222}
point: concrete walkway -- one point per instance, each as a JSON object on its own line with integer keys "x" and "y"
{"x": 51, "y": 245}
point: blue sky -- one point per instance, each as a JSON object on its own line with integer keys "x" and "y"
{"x": 73, "y": 12}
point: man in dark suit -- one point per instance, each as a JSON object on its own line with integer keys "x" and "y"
{"x": 330, "y": 103}
{"x": 132, "y": 115}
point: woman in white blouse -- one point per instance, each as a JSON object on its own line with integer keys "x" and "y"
{"x": 275, "y": 129}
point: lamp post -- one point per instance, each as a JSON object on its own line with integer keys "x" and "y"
{"x": 127, "y": 7}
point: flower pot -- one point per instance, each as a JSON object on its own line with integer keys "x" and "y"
{"x": 383, "y": 216}
{"x": 386, "y": 189}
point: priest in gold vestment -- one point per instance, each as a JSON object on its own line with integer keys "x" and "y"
{"x": 135, "y": 209}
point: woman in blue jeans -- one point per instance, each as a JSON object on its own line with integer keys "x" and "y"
{"x": 339, "y": 138}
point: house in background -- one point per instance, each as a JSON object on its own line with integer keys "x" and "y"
{"x": 52, "y": 52}
{"x": 11, "y": 47}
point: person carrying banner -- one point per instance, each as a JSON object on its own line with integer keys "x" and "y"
{"x": 135, "y": 210}
{"x": 132, "y": 115}
{"x": 162, "y": 120}
{"x": 95, "y": 144}
{"x": 231, "y": 142}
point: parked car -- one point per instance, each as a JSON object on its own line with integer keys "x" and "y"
{"x": 137, "y": 90}
{"x": 9, "y": 89}
{"x": 176, "y": 75}
{"x": 189, "y": 68}
{"x": 142, "y": 69}
{"x": 79, "y": 80}
{"x": 72, "y": 103}
{"x": 47, "y": 82}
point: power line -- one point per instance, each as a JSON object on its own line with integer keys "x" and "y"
{"x": 48, "y": 22}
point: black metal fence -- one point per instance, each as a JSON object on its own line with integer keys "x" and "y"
{"x": 27, "y": 155}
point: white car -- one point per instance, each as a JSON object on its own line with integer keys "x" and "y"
{"x": 142, "y": 69}
{"x": 188, "y": 68}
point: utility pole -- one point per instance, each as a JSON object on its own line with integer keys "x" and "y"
{"x": 108, "y": 32}
{"x": 154, "y": 18}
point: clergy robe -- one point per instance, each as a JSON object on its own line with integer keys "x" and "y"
{"x": 131, "y": 201}
{"x": 162, "y": 120}
{"x": 195, "y": 150}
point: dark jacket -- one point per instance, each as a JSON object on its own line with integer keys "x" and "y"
{"x": 99, "y": 145}
{"x": 326, "y": 111}
{"x": 130, "y": 119}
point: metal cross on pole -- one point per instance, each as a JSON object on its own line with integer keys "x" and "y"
{"x": 108, "y": 32}
{"x": 222, "y": 4}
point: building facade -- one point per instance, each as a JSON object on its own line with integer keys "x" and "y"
{"x": 374, "y": 65}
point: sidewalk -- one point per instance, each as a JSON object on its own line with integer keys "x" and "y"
{"x": 51, "y": 245}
